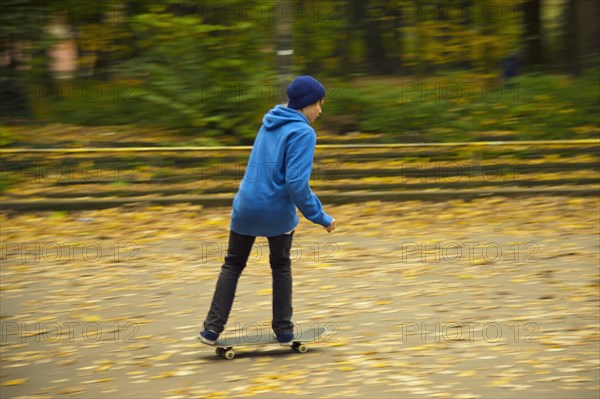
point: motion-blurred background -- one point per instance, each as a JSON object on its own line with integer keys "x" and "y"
{"x": 213, "y": 68}
{"x": 458, "y": 150}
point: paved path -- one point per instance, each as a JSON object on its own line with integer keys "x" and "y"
{"x": 495, "y": 298}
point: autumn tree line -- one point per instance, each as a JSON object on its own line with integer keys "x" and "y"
{"x": 212, "y": 64}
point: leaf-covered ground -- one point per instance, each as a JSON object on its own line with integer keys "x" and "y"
{"x": 490, "y": 298}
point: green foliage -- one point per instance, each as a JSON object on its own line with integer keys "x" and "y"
{"x": 88, "y": 102}
{"x": 182, "y": 71}
{"x": 119, "y": 184}
{"x": 209, "y": 67}
{"x": 7, "y": 136}
{"x": 556, "y": 105}
{"x": 59, "y": 215}
{"x": 451, "y": 108}
{"x": 404, "y": 36}
{"x": 7, "y": 180}
{"x": 193, "y": 73}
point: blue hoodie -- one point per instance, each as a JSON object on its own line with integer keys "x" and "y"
{"x": 276, "y": 178}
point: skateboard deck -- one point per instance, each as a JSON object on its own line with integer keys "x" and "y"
{"x": 225, "y": 346}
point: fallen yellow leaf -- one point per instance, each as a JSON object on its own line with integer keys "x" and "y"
{"x": 17, "y": 381}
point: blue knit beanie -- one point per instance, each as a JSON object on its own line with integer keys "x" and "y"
{"x": 303, "y": 91}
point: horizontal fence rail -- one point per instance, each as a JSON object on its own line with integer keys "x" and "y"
{"x": 319, "y": 147}
{"x": 40, "y": 179}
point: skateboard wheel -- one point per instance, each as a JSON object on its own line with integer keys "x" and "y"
{"x": 220, "y": 351}
{"x": 301, "y": 348}
{"x": 229, "y": 354}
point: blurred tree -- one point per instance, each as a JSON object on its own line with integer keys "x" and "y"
{"x": 205, "y": 66}
{"x": 23, "y": 46}
{"x": 285, "y": 47}
{"x": 213, "y": 65}
{"x": 374, "y": 24}
{"x": 532, "y": 34}
{"x": 350, "y": 17}
{"x": 105, "y": 39}
{"x": 582, "y": 33}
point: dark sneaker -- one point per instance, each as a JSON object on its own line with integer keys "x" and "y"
{"x": 208, "y": 337}
{"x": 285, "y": 338}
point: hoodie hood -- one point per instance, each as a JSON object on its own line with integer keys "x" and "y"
{"x": 281, "y": 115}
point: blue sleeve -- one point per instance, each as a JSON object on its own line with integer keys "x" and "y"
{"x": 300, "y": 148}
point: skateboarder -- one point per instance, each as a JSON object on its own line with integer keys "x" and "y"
{"x": 276, "y": 181}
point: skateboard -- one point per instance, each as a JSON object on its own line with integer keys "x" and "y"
{"x": 225, "y": 346}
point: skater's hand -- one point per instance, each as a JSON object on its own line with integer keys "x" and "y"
{"x": 331, "y": 227}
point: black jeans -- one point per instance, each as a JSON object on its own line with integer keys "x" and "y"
{"x": 235, "y": 262}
